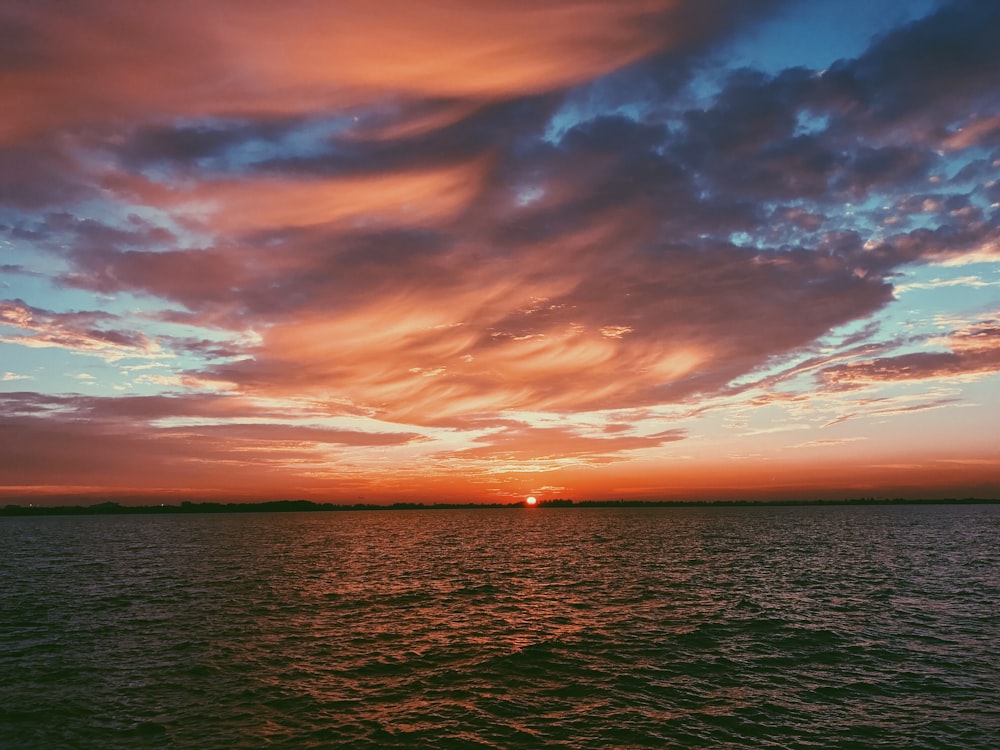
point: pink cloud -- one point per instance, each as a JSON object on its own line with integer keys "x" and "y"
{"x": 190, "y": 59}
{"x": 529, "y": 332}
{"x": 76, "y": 331}
{"x": 524, "y": 443}
{"x": 974, "y": 353}
{"x": 120, "y": 444}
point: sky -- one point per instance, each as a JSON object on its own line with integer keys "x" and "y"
{"x": 449, "y": 251}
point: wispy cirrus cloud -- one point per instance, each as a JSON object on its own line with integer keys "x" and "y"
{"x": 971, "y": 352}
{"x": 244, "y": 57}
{"x": 158, "y": 442}
{"x": 519, "y": 443}
{"x": 81, "y": 332}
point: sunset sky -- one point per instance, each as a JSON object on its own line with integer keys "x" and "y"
{"x": 440, "y": 250}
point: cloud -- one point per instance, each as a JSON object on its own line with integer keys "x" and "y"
{"x": 926, "y": 75}
{"x": 974, "y": 352}
{"x": 35, "y": 175}
{"x": 409, "y": 88}
{"x": 609, "y": 258}
{"x": 134, "y": 442}
{"x": 869, "y": 408}
{"x": 264, "y": 436}
{"x": 520, "y": 444}
{"x": 120, "y": 457}
{"x": 437, "y": 216}
{"x": 974, "y": 282}
{"x": 245, "y": 57}
{"x": 81, "y": 332}
{"x": 611, "y": 182}
{"x": 516, "y": 339}
{"x": 829, "y": 442}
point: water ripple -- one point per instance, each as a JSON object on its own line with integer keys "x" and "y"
{"x": 576, "y": 628}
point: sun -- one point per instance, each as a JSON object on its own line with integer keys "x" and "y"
{"x": 530, "y": 500}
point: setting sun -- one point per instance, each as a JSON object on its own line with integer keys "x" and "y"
{"x": 530, "y": 500}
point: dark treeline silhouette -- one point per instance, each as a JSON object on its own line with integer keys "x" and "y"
{"x": 272, "y": 506}
{"x": 299, "y": 506}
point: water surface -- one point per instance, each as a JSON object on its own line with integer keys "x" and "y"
{"x": 812, "y": 627}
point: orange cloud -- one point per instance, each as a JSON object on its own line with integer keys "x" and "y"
{"x": 419, "y": 198}
{"x": 190, "y": 58}
{"x": 120, "y": 445}
{"x": 536, "y": 446}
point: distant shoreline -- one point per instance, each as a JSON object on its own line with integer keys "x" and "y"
{"x": 308, "y": 506}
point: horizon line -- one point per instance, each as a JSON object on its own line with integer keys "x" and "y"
{"x": 306, "y": 506}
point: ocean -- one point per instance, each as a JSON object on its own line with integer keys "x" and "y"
{"x": 714, "y": 627}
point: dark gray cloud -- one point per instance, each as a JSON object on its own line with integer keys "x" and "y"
{"x": 40, "y": 175}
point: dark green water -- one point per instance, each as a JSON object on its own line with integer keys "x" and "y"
{"x": 815, "y": 627}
